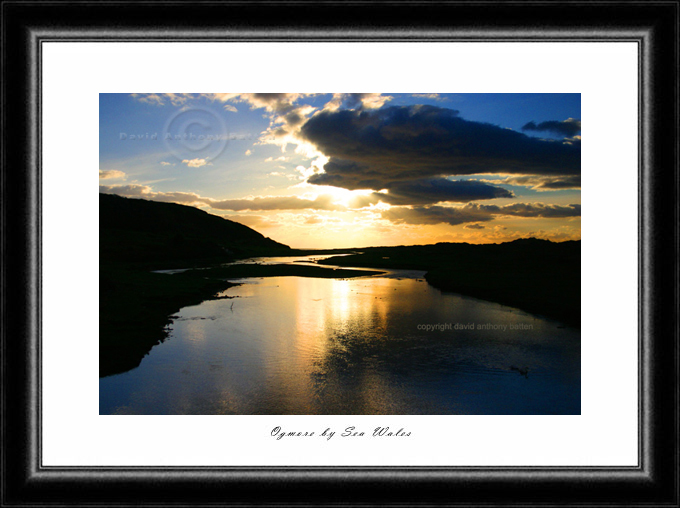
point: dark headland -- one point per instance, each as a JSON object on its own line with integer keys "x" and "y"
{"x": 537, "y": 276}
{"x": 137, "y": 236}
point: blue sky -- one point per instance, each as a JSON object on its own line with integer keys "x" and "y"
{"x": 351, "y": 170}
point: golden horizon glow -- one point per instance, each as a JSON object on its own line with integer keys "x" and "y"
{"x": 339, "y": 170}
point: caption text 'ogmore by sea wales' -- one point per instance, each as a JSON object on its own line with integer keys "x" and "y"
{"x": 328, "y": 434}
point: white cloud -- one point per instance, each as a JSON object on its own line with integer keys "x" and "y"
{"x": 283, "y": 175}
{"x": 148, "y": 98}
{"x": 271, "y": 102}
{"x": 283, "y": 158}
{"x": 305, "y": 172}
{"x": 177, "y": 99}
{"x": 432, "y": 96}
{"x": 196, "y": 163}
{"x": 110, "y": 174}
{"x": 160, "y": 99}
{"x": 357, "y": 101}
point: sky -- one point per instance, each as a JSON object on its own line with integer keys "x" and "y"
{"x": 340, "y": 170}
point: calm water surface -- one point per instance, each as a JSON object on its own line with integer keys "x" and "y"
{"x": 296, "y": 345}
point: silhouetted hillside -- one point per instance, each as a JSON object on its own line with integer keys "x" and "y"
{"x": 166, "y": 234}
{"x": 135, "y": 236}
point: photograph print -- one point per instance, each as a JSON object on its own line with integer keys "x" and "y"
{"x": 339, "y": 254}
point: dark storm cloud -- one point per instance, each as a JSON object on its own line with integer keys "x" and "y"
{"x": 533, "y": 210}
{"x": 435, "y": 190}
{"x": 474, "y": 212}
{"x": 474, "y": 226}
{"x": 435, "y": 215}
{"x": 372, "y": 149}
{"x": 431, "y": 191}
{"x": 562, "y": 183}
{"x": 568, "y": 128}
{"x": 544, "y": 183}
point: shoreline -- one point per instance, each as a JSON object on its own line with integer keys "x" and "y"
{"x": 136, "y": 306}
{"x": 528, "y": 281}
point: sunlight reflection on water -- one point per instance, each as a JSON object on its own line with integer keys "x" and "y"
{"x": 294, "y": 345}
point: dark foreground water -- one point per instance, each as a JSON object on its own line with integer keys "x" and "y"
{"x": 374, "y": 345}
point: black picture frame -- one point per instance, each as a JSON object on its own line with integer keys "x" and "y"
{"x": 653, "y": 25}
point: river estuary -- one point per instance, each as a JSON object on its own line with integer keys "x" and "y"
{"x": 385, "y": 344}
